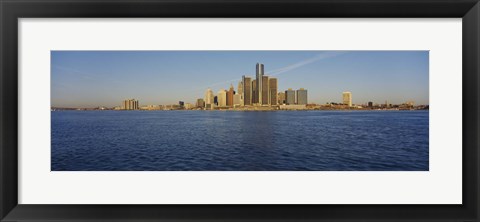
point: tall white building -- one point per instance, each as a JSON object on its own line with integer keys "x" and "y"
{"x": 208, "y": 98}
{"x": 347, "y": 98}
{"x": 222, "y": 98}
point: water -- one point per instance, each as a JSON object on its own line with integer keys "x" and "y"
{"x": 239, "y": 141}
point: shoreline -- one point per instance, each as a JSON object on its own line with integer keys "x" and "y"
{"x": 238, "y": 110}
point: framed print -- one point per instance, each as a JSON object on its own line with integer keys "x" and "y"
{"x": 226, "y": 110}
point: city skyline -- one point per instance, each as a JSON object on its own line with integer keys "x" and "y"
{"x": 89, "y": 79}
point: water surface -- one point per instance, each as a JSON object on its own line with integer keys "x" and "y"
{"x": 240, "y": 141}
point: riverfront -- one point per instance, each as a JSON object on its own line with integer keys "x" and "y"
{"x": 240, "y": 141}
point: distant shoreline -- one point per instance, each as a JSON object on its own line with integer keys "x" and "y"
{"x": 237, "y": 110}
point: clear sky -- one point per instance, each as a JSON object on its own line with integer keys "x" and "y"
{"x": 106, "y": 78}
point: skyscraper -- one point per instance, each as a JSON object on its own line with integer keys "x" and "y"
{"x": 290, "y": 97}
{"x": 260, "y": 73}
{"x": 209, "y": 98}
{"x": 302, "y": 96}
{"x": 230, "y": 94}
{"x": 347, "y": 98}
{"x": 200, "y": 103}
{"x": 281, "y": 98}
{"x": 240, "y": 87}
{"x": 247, "y": 90}
{"x": 273, "y": 87}
{"x": 254, "y": 92}
{"x": 222, "y": 98}
{"x": 237, "y": 100}
{"x": 265, "y": 91}
{"x": 130, "y": 104}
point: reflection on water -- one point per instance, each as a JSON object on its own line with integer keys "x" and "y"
{"x": 239, "y": 141}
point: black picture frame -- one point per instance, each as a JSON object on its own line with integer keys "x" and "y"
{"x": 12, "y": 10}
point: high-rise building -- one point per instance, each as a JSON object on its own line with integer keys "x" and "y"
{"x": 370, "y": 104}
{"x": 247, "y": 90}
{"x": 181, "y": 104}
{"x": 200, "y": 103}
{"x": 230, "y": 94}
{"x": 240, "y": 87}
{"x": 222, "y": 98}
{"x": 254, "y": 92}
{"x": 209, "y": 98}
{"x": 130, "y": 104}
{"x": 302, "y": 96}
{"x": 290, "y": 97}
{"x": 281, "y": 98}
{"x": 265, "y": 91}
{"x": 347, "y": 98}
{"x": 273, "y": 87}
{"x": 259, "y": 83}
{"x": 237, "y": 100}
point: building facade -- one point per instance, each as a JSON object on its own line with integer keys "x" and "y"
{"x": 230, "y": 94}
{"x": 302, "y": 96}
{"x": 347, "y": 98}
{"x": 200, "y": 103}
{"x": 247, "y": 90}
{"x": 265, "y": 91}
{"x": 281, "y": 98}
{"x": 273, "y": 88}
{"x": 254, "y": 92}
{"x": 209, "y": 98}
{"x": 259, "y": 83}
{"x": 222, "y": 98}
{"x": 130, "y": 104}
{"x": 237, "y": 100}
{"x": 290, "y": 97}
{"x": 240, "y": 87}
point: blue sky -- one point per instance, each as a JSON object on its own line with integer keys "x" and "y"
{"x": 105, "y": 78}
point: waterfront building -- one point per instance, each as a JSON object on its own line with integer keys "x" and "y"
{"x": 200, "y": 103}
{"x": 240, "y": 88}
{"x": 246, "y": 90}
{"x": 237, "y": 100}
{"x": 209, "y": 98}
{"x": 292, "y": 107}
{"x": 302, "y": 96}
{"x": 254, "y": 92}
{"x": 222, "y": 98}
{"x": 273, "y": 88}
{"x": 150, "y": 107}
{"x": 230, "y": 94}
{"x": 130, "y": 104}
{"x": 265, "y": 91}
{"x": 370, "y": 104}
{"x": 259, "y": 83}
{"x": 181, "y": 104}
{"x": 290, "y": 97}
{"x": 189, "y": 106}
{"x": 281, "y": 98}
{"x": 347, "y": 98}
{"x": 215, "y": 101}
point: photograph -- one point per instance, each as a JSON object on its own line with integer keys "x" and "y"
{"x": 239, "y": 110}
